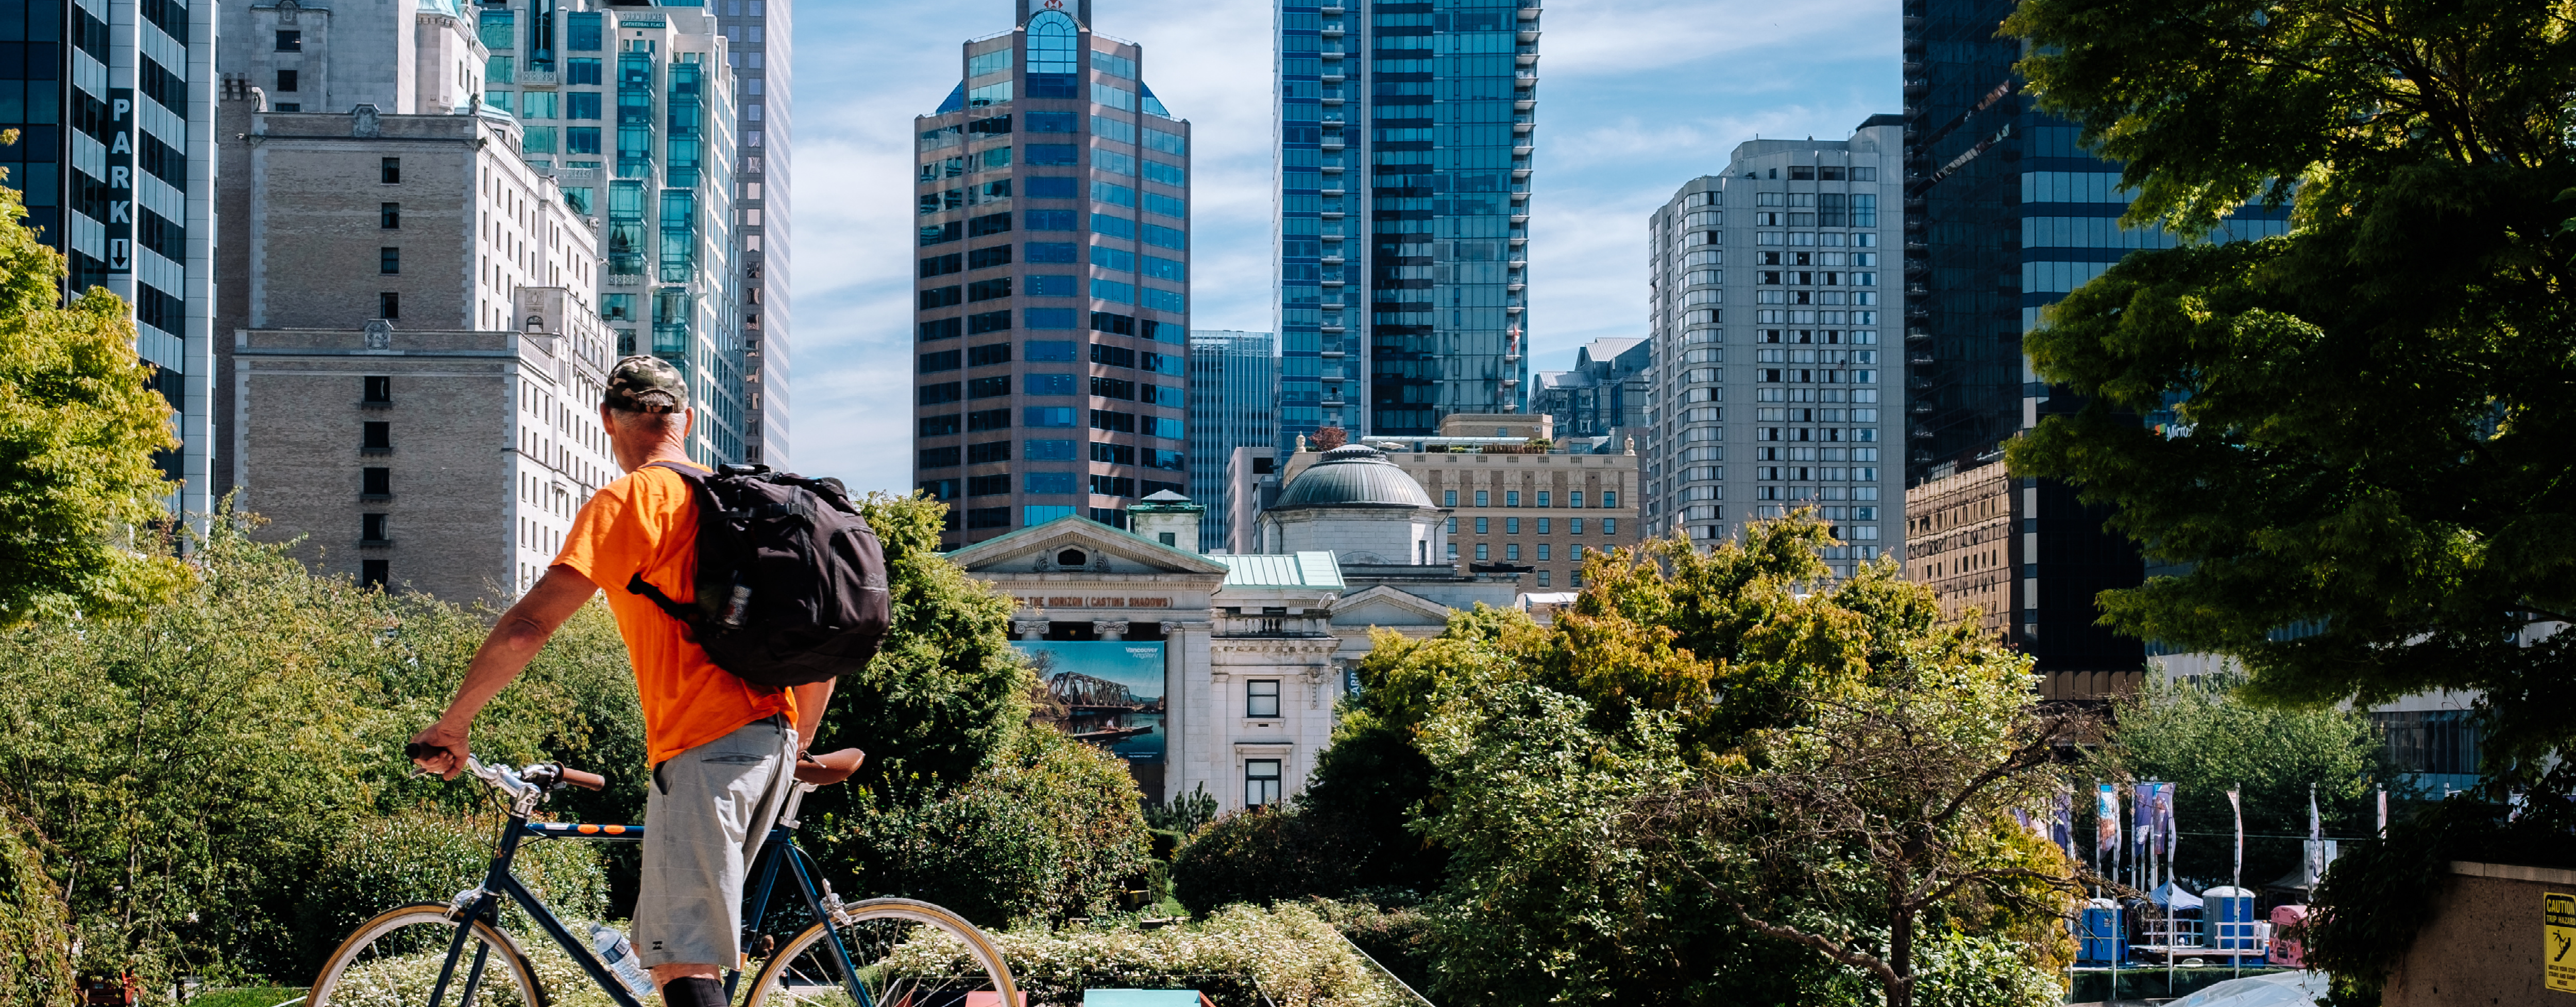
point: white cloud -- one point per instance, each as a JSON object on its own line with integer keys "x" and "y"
{"x": 1636, "y": 97}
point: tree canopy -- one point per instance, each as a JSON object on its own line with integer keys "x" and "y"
{"x": 2371, "y": 465}
{"x": 79, "y": 423}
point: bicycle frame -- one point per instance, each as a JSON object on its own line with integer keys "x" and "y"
{"x": 484, "y": 902}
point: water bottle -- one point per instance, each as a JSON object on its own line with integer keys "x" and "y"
{"x": 619, "y": 955}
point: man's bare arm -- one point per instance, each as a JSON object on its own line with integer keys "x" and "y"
{"x": 810, "y": 701}
{"x": 514, "y": 641}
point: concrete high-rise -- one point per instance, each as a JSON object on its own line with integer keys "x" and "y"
{"x": 758, "y": 38}
{"x": 113, "y": 101}
{"x": 1234, "y": 403}
{"x": 2006, "y": 213}
{"x": 1052, "y": 300}
{"x": 1404, "y": 143}
{"x": 1773, "y": 384}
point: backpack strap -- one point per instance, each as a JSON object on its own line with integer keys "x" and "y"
{"x": 636, "y": 584}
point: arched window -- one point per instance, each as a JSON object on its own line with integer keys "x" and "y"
{"x": 1071, "y": 557}
{"x": 1053, "y": 42}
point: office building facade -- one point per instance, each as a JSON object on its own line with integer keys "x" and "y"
{"x": 1405, "y": 141}
{"x": 2006, "y": 213}
{"x": 113, "y": 101}
{"x": 759, "y": 39}
{"x": 1234, "y": 388}
{"x": 1774, "y": 386}
{"x": 1052, "y": 300}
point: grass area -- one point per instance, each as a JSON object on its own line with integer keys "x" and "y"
{"x": 256, "y": 996}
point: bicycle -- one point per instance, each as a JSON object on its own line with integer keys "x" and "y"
{"x": 411, "y": 956}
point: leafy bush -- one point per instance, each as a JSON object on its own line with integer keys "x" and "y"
{"x": 1047, "y": 830}
{"x": 1297, "y": 959}
{"x": 1282, "y": 852}
{"x": 35, "y": 957}
{"x": 416, "y": 857}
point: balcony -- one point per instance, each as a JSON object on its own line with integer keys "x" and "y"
{"x": 1523, "y": 150}
{"x": 1333, "y": 143}
{"x": 1333, "y": 32}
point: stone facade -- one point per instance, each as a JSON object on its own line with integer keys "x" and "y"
{"x": 1541, "y": 512}
{"x": 449, "y": 462}
{"x": 1225, "y": 622}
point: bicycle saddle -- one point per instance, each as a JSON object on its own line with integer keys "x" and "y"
{"x": 829, "y": 767}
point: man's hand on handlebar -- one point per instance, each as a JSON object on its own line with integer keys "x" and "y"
{"x": 439, "y": 750}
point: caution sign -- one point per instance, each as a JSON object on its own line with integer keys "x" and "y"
{"x": 2558, "y": 943}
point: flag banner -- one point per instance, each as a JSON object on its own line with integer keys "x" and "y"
{"x": 2142, "y": 822}
{"x": 2061, "y": 822}
{"x": 2106, "y": 819}
{"x": 2236, "y": 806}
{"x": 2316, "y": 839}
{"x": 2164, "y": 826}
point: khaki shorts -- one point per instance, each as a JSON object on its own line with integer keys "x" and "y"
{"x": 705, "y": 818}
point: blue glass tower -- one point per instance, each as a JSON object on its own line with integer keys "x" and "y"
{"x": 1405, "y": 137}
{"x": 1234, "y": 388}
{"x": 1051, "y": 310}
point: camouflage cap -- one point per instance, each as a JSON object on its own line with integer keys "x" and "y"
{"x": 646, "y": 384}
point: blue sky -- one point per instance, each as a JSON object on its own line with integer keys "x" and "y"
{"x": 1636, "y": 97}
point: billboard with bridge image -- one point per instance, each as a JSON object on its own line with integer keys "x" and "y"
{"x": 1111, "y": 692}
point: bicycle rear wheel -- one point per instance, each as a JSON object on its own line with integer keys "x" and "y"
{"x": 394, "y": 961}
{"x": 901, "y": 952}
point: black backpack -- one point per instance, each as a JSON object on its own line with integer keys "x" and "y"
{"x": 791, "y": 585}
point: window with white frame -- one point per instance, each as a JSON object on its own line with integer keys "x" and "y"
{"x": 1261, "y": 697}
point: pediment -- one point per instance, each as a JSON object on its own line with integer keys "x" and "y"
{"x": 1105, "y": 550}
{"x": 1386, "y": 606}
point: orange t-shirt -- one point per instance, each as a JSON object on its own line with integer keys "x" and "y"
{"x": 647, "y": 523}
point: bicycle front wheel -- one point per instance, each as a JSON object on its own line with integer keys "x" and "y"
{"x": 394, "y": 960}
{"x": 900, "y": 951}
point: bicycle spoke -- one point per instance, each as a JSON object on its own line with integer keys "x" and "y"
{"x": 398, "y": 965}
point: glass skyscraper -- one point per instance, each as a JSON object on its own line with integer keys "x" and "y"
{"x": 1052, "y": 293}
{"x": 1405, "y": 136}
{"x": 113, "y": 101}
{"x": 2006, "y": 213}
{"x": 1234, "y": 403}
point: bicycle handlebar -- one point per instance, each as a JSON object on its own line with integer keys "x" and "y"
{"x": 544, "y": 775}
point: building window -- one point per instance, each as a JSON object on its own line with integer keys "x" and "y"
{"x": 285, "y": 81}
{"x": 1542, "y": 552}
{"x": 1261, "y": 698}
{"x": 1260, "y": 782}
{"x": 373, "y": 573}
{"x": 1481, "y": 526}
{"x": 371, "y": 528}
{"x": 1542, "y": 528}
{"x": 379, "y": 390}
{"x": 1609, "y": 498}
{"x": 1576, "y": 498}
{"x": 1511, "y": 526}
{"x": 1481, "y": 555}
{"x": 1453, "y": 552}
{"x": 389, "y": 216}
{"x": 1511, "y": 498}
{"x": 1480, "y": 498}
{"x": 389, "y": 305}
{"x": 1449, "y": 498}
{"x": 388, "y": 263}
{"x": 1609, "y": 526}
{"x": 376, "y": 435}
{"x": 290, "y": 41}
{"x": 389, "y": 171}
{"x": 1542, "y": 500}
{"x": 1512, "y": 552}
{"x": 375, "y": 482}
{"x": 1542, "y": 575}
{"x": 1574, "y": 526}
{"x": 1453, "y": 526}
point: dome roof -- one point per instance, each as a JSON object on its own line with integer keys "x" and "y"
{"x": 1353, "y": 476}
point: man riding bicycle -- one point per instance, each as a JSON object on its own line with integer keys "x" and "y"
{"x": 722, "y": 750}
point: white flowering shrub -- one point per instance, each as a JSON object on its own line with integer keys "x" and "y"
{"x": 1288, "y": 954}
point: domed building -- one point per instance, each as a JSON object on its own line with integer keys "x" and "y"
{"x": 1359, "y": 506}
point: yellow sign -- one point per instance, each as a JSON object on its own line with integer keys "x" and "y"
{"x": 2558, "y": 943}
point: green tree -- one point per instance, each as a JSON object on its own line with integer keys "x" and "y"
{"x": 2204, "y": 739}
{"x": 2369, "y": 470}
{"x": 79, "y": 425}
